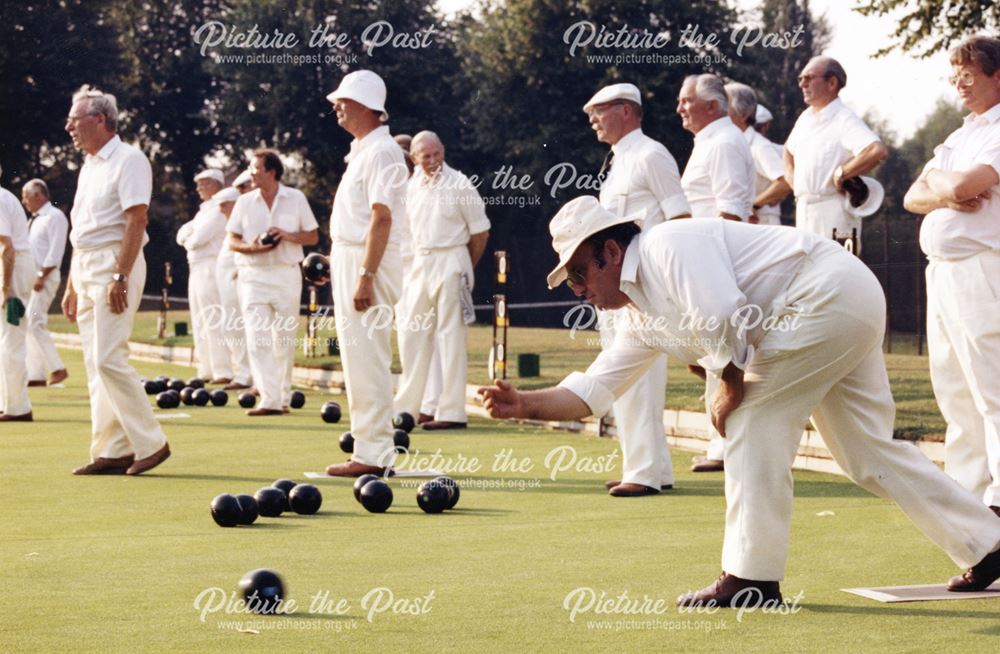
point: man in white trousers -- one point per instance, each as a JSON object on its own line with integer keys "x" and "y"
{"x": 104, "y": 288}
{"x": 232, "y": 327}
{"x": 203, "y": 238}
{"x": 959, "y": 190}
{"x": 828, "y": 145}
{"x": 718, "y": 181}
{"x": 267, "y": 230}
{"x": 819, "y": 354}
{"x": 47, "y": 230}
{"x": 449, "y": 229}
{"x": 770, "y": 187}
{"x": 366, "y": 266}
{"x": 17, "y": 269}
{"x": 643, "y": 180}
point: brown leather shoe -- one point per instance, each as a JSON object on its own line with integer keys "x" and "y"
{"x": 221, "y": 380}
{"x": 33, "y": 383}
{"x": 235, "y": 386}
{"x": 150, "y": 462}
{"x": 102, "y": 466}
{"x": 729, "y": 591}
{"x": 58, "y": 376}
{"x": 24, "y": 417}
{"x": 260, "y": 411}
{"x": 705, "y": 464}
{"x": 615, "y": 482}
{"x": 354, "y": 469}
{"x": 436, "y": 425}
{"x": 978, "y": 577}
{"x": 995, "y": 509}
{"x": 424, "y": 417}
{"x": 633, "y": 490}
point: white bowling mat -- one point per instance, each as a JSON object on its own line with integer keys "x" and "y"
{"x": 921, "y": 593}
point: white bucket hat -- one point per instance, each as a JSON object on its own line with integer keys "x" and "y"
{"x": 575, "y": 221}
{"x": 763, "y": 115}
{"x": 211, "y": 173}
{"x": 876, "y": 193}
{"x": 228, "y": 194}
{"x": 242, "y": 178}
{"x": 365, "y": 88}
{"x": 614, "y": 92}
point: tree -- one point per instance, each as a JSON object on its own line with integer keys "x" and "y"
{"x": 928, "y": 26}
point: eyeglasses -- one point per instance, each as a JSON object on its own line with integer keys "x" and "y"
{"x": 576, "y": 277}
{"x": 75, "y": 119}
{"x": 600, "y": 110}
{"x": 807, "y": 79}
{"x": 962, "y": 79}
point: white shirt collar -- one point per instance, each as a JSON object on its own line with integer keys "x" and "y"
{"x": 827, "y": 112}
{"x": 713, "y": 127}
{"x": 989, "y": 116}
{"x": 427, "y": 180}
{"x": 358, "y": 145}
{"x": 629, "y": 140}
{"x": 109, "y": 147}
{"x": 45, "y": 208}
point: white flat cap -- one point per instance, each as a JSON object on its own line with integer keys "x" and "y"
{"x": 242, "y": 178}
{"x": 763, "y": 115}
{"x": 615, "y": 92}
{"x": 876, "y": 193}
{"x": 364, "y": 87}
{"x": 211, "y": 173}
{"x": 574, "y": 222}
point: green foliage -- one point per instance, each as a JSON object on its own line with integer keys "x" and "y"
{"x": 929, "y": 26}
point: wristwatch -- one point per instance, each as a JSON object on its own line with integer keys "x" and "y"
{"x": 119, "y": 277}
{"x": 364, "y": 272}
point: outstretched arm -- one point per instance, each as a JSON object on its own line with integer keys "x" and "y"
{"x": 503, "y": 401}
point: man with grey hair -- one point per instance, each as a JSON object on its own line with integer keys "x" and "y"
{"x": 828, "y": 146}
{"x": 107, "y": 275}
{"x": 16, "y": 272}
{"x": 719, "y": 182}
{"x": 642, "y": 180}
{"x": 770, "y": 186}
{"x": 47, "y": 229}
{"x": 449, "y": 228}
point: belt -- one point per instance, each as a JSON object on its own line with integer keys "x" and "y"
{"x": 813, "y": 198}
{"x": 437, "y": 250}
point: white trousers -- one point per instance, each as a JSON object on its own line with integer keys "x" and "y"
{"x": 822, "y": 214}
{"x": 431, "y": 317}
{"x": 716, "y": 450}
{"x": 233, "y": 330}
{"x": 434, "y": 386}
{"x": 269, "y": 300}
{"x": 639, "y": 416}
{"x": 366, "y": 349}
{"x": 206, "y": 309}
{"x": 42, "y": 355}
{"x": 122, "y": 420}
{"x": 13, "y": 346}
{"x": 831, "y": 366}
{"x": 963, "y": 338}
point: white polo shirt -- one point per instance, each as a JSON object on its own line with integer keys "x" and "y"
{"x": 47, "y": 232}
{"x": 719, "y": 176}
{"x": 644, "y": 178}
{"x": 117, "y": 178}
{"x": 444, "y": 211}
{"x": 693, "y": 286}
{"x": 13, "y": 221}
{"x": 821, "y": 141}
{"x": 949, "y": 234}
{"x": 768, "y": 166}
{"x": 251, "y": 217}
{"x": 204, "y": 235}
{"x": 376, "y": 174}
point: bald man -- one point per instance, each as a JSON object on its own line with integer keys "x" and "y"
{"x": 449, "y": 227}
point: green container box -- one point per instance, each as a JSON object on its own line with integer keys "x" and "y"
{"x": 333, "y": 347}
{"x": 528, "y": 365}
{"x": 180, "y": 329}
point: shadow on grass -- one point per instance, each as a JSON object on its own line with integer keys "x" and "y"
{"x": 263, "y": 481}
{"x": 889, "y": 611}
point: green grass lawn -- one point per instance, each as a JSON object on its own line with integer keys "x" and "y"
{"x": 115, "y": 564}
{"x": 917, "y": 413}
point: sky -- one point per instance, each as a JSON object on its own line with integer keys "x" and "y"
{"x": 901, "y": 89}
